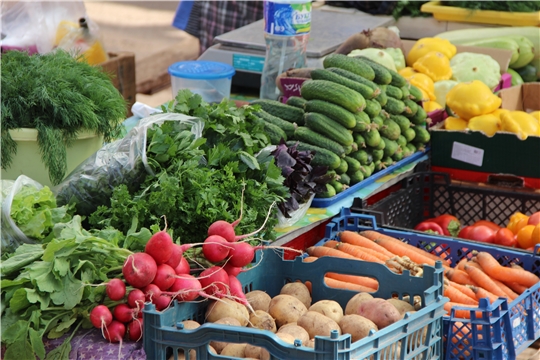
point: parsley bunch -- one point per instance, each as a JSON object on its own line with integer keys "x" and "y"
{"x": 59, "y": 97}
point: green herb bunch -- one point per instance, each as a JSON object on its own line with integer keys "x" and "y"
{"x": 58, "y": 96}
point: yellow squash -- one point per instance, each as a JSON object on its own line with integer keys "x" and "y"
{"x": 508, "y": 123}
{"x": 435, "y": 65}
{"x": 454, "y": 123}
{"x": 489, "y": 124}
{"x": 470, "y": 99}
{"x": 425, "y": 45}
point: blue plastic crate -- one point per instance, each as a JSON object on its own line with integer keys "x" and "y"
{"x": 326, "y": 202}
{"x": 505, "y": 329}
{"x": 163, "y": 337}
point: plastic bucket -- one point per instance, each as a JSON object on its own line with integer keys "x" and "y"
{"x": 27, "y": 160}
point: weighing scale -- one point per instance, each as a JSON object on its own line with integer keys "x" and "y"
{"x": 245, "y": 48}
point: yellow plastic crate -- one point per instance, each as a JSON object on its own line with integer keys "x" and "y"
{"x": 452, "y": 13}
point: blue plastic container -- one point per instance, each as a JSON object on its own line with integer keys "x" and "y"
{"x": 326, "y": 202}
{"x": 505, "y": 329}
{"x": 163, "y": 337}
{"x": 210, "y": 79}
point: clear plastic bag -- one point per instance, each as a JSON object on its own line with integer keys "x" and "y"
{"x": 33, "y": 25}
{"x": 121, "y": 162}
{"x": 12, "y": 236}
{"x": 296, "y": 215}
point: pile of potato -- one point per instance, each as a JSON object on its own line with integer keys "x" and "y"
{"x": 292, "y": 316}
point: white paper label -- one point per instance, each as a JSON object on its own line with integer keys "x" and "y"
{"x": 516, "y": 322}
{"x": 467, "y": 153}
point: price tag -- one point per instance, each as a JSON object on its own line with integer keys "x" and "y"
{"x": 467, "y": 153}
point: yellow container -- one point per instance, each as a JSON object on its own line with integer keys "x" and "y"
{"x": 457, "y": 14}
{"x": 28, "y": 162}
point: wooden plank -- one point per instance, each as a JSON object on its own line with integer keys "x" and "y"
{"x": 121, "y": 67}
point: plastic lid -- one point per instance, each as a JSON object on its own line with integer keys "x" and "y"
{"x": 206, "y": 70}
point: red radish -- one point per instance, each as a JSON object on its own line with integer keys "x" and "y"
{"x": 165, "y": 276}
{"x": 223, "y": 229}
{"x": 214, "y": 281}
{"x": 160, "y": 247}
{"x": 237, "y": 292}
{"x": 151, "y": 291}
{"x": 135, "y": 329}
{"x": 241, "y": 254}
{"x": 162, "y": 302}
{"x": 232, "y": 270}
{"x": 139, "y": 270}
{"x": 186, "y": 288}
{"x": 136, "y": 299}
{"x": 123, "y": 313}
{"x": 115, "y": 332}
{"x": 176, "y": 256}
{"x": 101, "y": 316}
{"x": 183, "y": 267}
{"x": 215, "y": 248}
{"x": 116, "y": 289}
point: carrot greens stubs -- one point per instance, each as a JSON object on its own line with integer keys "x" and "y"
{"x": 43, "y": 286}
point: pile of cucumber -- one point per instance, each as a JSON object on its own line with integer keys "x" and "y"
{"x": 357, "y": 116}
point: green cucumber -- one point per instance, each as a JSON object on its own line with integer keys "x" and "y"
{"x": 275, "y": 133}
{"x": 405, "y": 91}
{"x": 422, "y": 134}
{"x": 333, "y": 111}
{"x": 415, "y": 93}
{"x": 411, "y": 148}
{"x": 353, "y": 164}
{"x": 348, "y": 63}
{"x": 402, "y": 121}
{"x": 390, "y": 148}
{"x": 286, "y": 112}
{"x": 397, "y": 79}
{"x": 325, "y": 74}
{"x": 363, "y": 122}
{"x": 362, "y": 156}
{"x": 420, "y": 117}
{"x": 334, "y": 93}
{"x": 359, "y": 79}
{"x": 394, "y": 92}
{"x": 329, "y": 128}
{"x": 372, "y": 137}
{"x": 328, "y": 193}
{"x": 373, "y": 108}
{"x": 413, "y": 106}
{"x": 394, "y": 106}
{"x": 286, "y": 126}
{"x": 359, "y": 140}
{"x": 323, "y": 157}
{"x": 398, "y": 155}
{"x": 390, "y": 129}
{"x": 382, "y": 75}
{"x": 377, "y": 154}
{"x": 305, "y": 134}
{"x": 343, "y": 167}
{"x": 382, "y": 98}
{"x": 345, "y": 179}
{"x": 356, "y": 177}
{"x": 337, "y": 185}
{"x": 378, "y": 120}
{"x": 409, "y": 134}
{"x": 296, "y": 101}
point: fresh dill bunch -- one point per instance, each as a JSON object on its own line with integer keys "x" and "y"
{"x": 59, "y": 96}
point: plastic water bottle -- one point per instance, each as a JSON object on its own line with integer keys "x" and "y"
{"x": 286, "y": 30}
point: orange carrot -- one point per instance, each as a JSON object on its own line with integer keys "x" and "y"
{"x": 483, "y": 293}
{"x": 457, "y": 296}
{"x": 518, "y": 288}
{"x": 354, "y": 279}
{"x": 459, "y": 276}
{"x": 337, "y": 284}
{"x": 464, "y": 289}
{"x": 320, "y": 251}
{"x": 461, "y": 263}
{"x": 354, "y": 238}
{"x": 511, "y": 294}
{"x": 355, "y": 251}
{"x": 401, "y": 249}
{"x": 483, "y": 280}
{"x": 369, "y": 251}
{"x": 378, "y": 237}
{"x": 505, "y": 274}
{"x": 309, "y": 259}
{"x": 465, "y": 314}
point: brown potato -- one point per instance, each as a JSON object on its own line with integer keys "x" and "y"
{"x": 234, "y": 350}
{"x": 402, "y": 306}
{"x": 356, "y": 325}
{"x": 190, "y": 324}
{"x": 329, "y": 308}
{"x": 317, "y": 324}
{"x": 299, "y": 291}
{"x": 310, "y": 343}
{"x": 227, "y": 308}
{"x": 355, "y": 301}
{"x": 380, "y": 311}
{"x": 286, "y": 309}
{"x": 256, "y": 352}
{"x": 219, "y": 345}
{"x": 296, "y": 331}
{"x": 259, "y": 300}
{"x": 262, "y": 320}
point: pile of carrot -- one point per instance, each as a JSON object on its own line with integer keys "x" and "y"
{"x": 465, "y": 283}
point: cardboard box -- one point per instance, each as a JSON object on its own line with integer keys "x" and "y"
{"x": 473, "y": 156}
{"x": 121, "y": 67}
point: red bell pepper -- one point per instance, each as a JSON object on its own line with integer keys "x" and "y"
{"x": 449, "y": 224}
{"x": 429, "y": 226}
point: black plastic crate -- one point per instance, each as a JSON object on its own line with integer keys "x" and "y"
{"x": 428, "y": 194}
